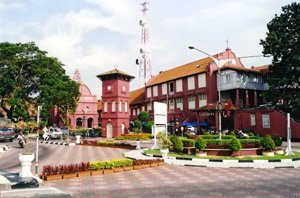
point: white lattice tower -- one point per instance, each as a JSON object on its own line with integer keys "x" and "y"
{"x": 144, "y": 62}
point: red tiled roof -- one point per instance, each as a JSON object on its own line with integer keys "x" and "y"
{"x": 137, "y": 96}
{"x": 188, "y": 69}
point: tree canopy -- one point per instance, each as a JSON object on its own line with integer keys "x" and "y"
{"x": 28, "y": 77}
{"x": 283, "y": 43}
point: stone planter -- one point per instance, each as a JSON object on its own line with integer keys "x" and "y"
{"x": 97, "y": 172}
{"x": 70, "y": 176}
{"x": 268, "y": 153}
{"x": 161, "y": 163}
{"x": 84, "y": 173}
{"x": 108, "y": 171}
{"x": 52, "y": 177}
{"x": 118, "y": 169}
{"x": 164, "y": 153}
{"x": 202, "y": 154}
{"x": 26, "y": 160}
{"x": 146, "y": 165}
{"x": 154, "y": 164}
{"x": 279, "y": 151}
{"x": 127, "y": 168}
{"x": 138, "y": 167}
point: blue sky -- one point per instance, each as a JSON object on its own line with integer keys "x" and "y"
{"x": 95, "y": 35}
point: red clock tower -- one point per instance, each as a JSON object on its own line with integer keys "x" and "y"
{"x": 115, "y": 102}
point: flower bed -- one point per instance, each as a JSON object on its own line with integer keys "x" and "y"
{"x": 134, "y": 136}
{"x": 95, "y": 168}
{"x": 106, "y": 144}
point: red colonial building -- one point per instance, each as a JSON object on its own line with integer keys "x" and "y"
{"x": 191, "y": 93}
{"x": 115, "y": 102}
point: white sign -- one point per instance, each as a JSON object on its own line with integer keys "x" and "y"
{"x": 160, "y": 113}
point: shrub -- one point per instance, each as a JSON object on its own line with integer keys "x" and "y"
{"x": 231, "y": 133}
{"x": 251, "y": 134}
{"x": 250, "y": 141}
{"x": 267, "y": 143}
{"x": 163, "y": 140}
{"x": 235, "y": 145}
{"x": 177, "y": 145}
{"x": 148, "y": 126}
{"x": 137, "y": 124}
{"x": 277, "y": 140}
{"x": 188, "y": 142}
{"x": 105, "y": 143}
{"x": 200, "y": 143}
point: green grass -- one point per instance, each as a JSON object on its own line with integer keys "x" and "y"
{"x": 276, "y": 157}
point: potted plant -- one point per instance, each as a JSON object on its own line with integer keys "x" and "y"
{"x": 200, "y": 144}
{"x": 278, "y": 142}
{"x": 268, "y": 146}
{"x": 164, "y": 143}
{"x": 235, "y": 146}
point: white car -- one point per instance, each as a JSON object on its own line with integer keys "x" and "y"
{"x": 55, "y": 133}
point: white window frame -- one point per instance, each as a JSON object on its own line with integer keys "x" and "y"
{"x": 201, "y": 80}
{"x": 149, "y": 106}
{"x": 202, "y": 99}
{"x": 252, "y": 120}
{"x": 149, "y": 95}
{"x": 164, "y": 89}
{"x": 171, "y": 105}
{"x": 179, "y": 103}
{"x": 191, "y": 102}
{"x": 173, "y": 85}
{"x": 155, "y": 91}
{"x": 266, "y": 121}
{"x": 191, "y": 83}
{"x": 179, "y": 85}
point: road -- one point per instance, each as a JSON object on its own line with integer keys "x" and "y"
{"x": 50, "y": 154}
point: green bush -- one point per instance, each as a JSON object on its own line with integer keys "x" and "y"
{"x": 143, "y": 116}
{"x": 231, "y": 133}
{"x": 163, "y": 140}
{"x": 217, "y": 141}
{"x": 148, "y": 126}
{"x": 177, "y": 145}
{"x": 206, "y": 133}
{"x": 137, "y": 124}
{"x": 235, "y": 145}
{"x": 186, "y": 141}
{"x": 217, "y": 137}
{"x": 267, "y": 143}
{"x": 249, "y": 141}
{"x": 200, "y": 143}
{"x": 277, "y": 140}
{"x": 105, "y": 143}
{"x": 251, "y": 134}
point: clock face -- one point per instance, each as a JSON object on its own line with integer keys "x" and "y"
{"x": 109, "y": 88}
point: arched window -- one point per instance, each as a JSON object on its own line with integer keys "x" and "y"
{"x": 105, "y": 107}
{"x": 120, "y": 106}
{"x": 126, "y": 106}
{"x": 113, "y": 106}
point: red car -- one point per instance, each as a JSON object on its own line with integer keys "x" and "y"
{"x": 7, "y": 133}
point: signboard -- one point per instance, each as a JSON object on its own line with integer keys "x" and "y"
{"x": 160, "y": 113}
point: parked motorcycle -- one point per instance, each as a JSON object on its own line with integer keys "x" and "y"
{"x": 22, "y": 140}
{"x": 46, "y": 136}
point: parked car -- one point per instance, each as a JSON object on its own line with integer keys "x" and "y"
{"x": 7, "y": 133}
{"x": 55, "y": 133}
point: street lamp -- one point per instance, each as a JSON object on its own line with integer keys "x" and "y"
{"x": 219, "y": 63}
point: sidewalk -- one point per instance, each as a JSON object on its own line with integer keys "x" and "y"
{"x": 284, "y": 163}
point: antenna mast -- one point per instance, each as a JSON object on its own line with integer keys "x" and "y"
{"x": 144, "y": 62}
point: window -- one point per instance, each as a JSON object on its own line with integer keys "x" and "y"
{"x": 179, "y": 103}
{"x": 149, "y": 92}
{"x": 201, "y": 80}
{"x": 109, "y": 88}
{"x": 191, "y": 102}
{"x": 227, "y": 78}
{"x": 143, "y": 108}
{"x": 120, "y": 106}
{"x": 171, "y": 105}
{"x": 133, "y": 112}
{"x": 155, "y": 91}
{"x": 113, "y": 106}
{"x": 265, "y": 120}
{"x": 105, "y": 106}
{"x": 179, "y": 85}
{"x": 123, "y": 88}
{"x": 171, "y": 87}
{"x": 191, "y": 83}
{"x": 126, "y": 106}
{"x": 164, "y": 89}
{"x": 252, "y": 120}
{"x": 138, "y": 111}
{"x": 149, "y": 106}
{"x": 202, "y": 99}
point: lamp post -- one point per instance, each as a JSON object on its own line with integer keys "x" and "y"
{"x": 37, "y": 141}
{"x": 219, "y": 63}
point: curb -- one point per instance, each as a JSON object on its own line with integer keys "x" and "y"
{"x": 58, "y": 143}
{"x": 196, "y": 162}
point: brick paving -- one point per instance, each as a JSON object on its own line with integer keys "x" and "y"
{"x": 181, "y": 181}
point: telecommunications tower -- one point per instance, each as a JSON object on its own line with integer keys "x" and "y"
{"x": 144, "y": 62}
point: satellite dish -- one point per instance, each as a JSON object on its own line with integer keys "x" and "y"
{"x": 137, "y": 61}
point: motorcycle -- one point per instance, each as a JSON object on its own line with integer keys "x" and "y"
{"x": 46, "y": 136}
{"x": 22, "y": 140}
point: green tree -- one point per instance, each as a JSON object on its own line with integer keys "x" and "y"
{"x": 143, "y": 116}
{"x": 283, "y": 43}
{"x": 28, "y": 77}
